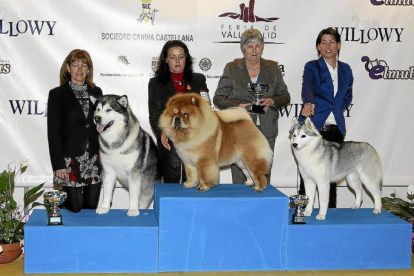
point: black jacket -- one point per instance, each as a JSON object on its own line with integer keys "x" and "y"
{"x": 68, "y": 131}
{"x": 158, "y": 95}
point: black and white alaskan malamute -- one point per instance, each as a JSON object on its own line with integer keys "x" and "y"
{"x": 128, "y": 154}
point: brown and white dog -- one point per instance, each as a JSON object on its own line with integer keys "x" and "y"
{"x": 206, "y": 140}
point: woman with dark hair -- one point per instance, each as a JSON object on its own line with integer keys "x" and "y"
{"x": 327, "y": 92}
{"x": 174, "y": 75}
{"x": 232, "y": 89}
{"x": 72, "y": 136}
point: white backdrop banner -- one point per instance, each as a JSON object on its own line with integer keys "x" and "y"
{"x": 125, "y": 37}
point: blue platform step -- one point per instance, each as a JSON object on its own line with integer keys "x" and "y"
{"x": 230, "y": 227}
{"x": 349, "y": 239}
{"x": 87, "y": 242}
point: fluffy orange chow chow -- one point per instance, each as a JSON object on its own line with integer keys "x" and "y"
{"x": 206, "y": 140}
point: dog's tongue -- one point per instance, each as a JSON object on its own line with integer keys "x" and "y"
{"x": 100, "y": 128}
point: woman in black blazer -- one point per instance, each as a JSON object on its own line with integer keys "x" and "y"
{"x": 174, "y": 75}
{"x": 72, "y": 136}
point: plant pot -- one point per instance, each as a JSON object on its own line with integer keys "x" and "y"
{"x": 10, "y": 252}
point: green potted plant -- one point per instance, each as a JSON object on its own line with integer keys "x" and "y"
{"x": 12, "y": 217}
{"x": 402, "y": 208}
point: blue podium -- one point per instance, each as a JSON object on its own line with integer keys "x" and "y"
{"x": 230, "y": 227}
{"x": 349, "y": 239}
{"x": 88, "y": 242}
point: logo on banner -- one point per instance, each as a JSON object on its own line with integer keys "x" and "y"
{"x": 147, "y": 13}
{"x": 365, "y": 36}
{"x": 247, "y": 19}
{"x": 295, "y": 109}
{"x": 247, "y": 14}
{"x": 154, "y": 65}
{"x": 120, "y": 68}
{"x": 123, "y": 61}
{"x": 5, "y": 67}
{"x": 33, "y": 27}
{"x": 378, "y": 69}
{"x": 393, "y": 2}
{"x": 205, "y": 64}
{"x": 32, "y": 107}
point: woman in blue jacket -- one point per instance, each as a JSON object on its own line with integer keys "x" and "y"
{"x": 327, "y": 92}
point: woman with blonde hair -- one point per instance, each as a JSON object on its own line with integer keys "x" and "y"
{"x": 72, "y": 136}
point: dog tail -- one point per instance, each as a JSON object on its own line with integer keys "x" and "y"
{"x": 233, "y": 115}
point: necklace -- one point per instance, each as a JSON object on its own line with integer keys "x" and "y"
{"x": 179, "y": 82}
{"x": 254, "y": 69}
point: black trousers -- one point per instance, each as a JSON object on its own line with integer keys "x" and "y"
{"x": 172, "y": 167}
{"x": 331, "y": 136}
{"x": 79, "y": 198}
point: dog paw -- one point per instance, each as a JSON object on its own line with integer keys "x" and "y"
{"x": 102, "y": 210}
{"x": 189, "y": 185}
{"x": 307, "y": 213}
{"x": 249, "y": 183}
{"x": 320, "y": 217}
{"x": 355, "y": 206}
{"x": 202, "y": 189}
{"x": 133, "y": 212}
{"x": 377, "y": 211}
{"x": 257, "y": 189}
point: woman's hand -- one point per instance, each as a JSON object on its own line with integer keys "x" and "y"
{"x": 62, "y": 174}
{"x": 308, "y": 110}
{"x": 244, "y": 107}
{"x": 164, "y": 141}
{"x": 266, "y": 102}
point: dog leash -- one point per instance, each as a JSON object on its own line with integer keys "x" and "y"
{"x": 297, "y": 179}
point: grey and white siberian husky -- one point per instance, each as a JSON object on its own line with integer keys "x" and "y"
{"x": 128, "y": 154}
{"x": 321, "y": 162}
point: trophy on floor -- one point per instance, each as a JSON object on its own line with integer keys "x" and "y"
{"x": 54, "y": 199}
{"x": 258, "y": 90}
{"x": 300, "y": 202}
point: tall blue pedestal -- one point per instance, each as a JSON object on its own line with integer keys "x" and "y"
{"x": 88, "y": 242}
{"x": 230, "y": 227}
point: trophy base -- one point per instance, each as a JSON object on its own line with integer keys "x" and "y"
{"x": 298, "y": 220}
{"x": 259, "y": 109}
{"x": 54, "y": 220}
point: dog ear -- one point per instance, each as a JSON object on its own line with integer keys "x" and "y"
{"x": 123, "y": 101}
{"x": 309, "y": 124}
{"x": 194, "y": 101}
{"x": 93, "y": 99}
{"x": 294, "y": 122}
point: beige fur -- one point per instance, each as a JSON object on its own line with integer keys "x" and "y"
{"x": 207, "y": 140}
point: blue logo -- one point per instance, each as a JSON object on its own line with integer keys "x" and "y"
{"x": 31, "y": 106}
{"x": 378, "y": 69}
{"x": 392, "y": 2}
{"x": 33, "y": 27}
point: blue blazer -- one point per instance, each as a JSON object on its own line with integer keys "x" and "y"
{"x": 318, "y": 89}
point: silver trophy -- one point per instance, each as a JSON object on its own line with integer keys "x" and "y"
{"x": 300, "y": 202}
{"x": 54, "y": 199}
{"x": 258, "y": 90}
